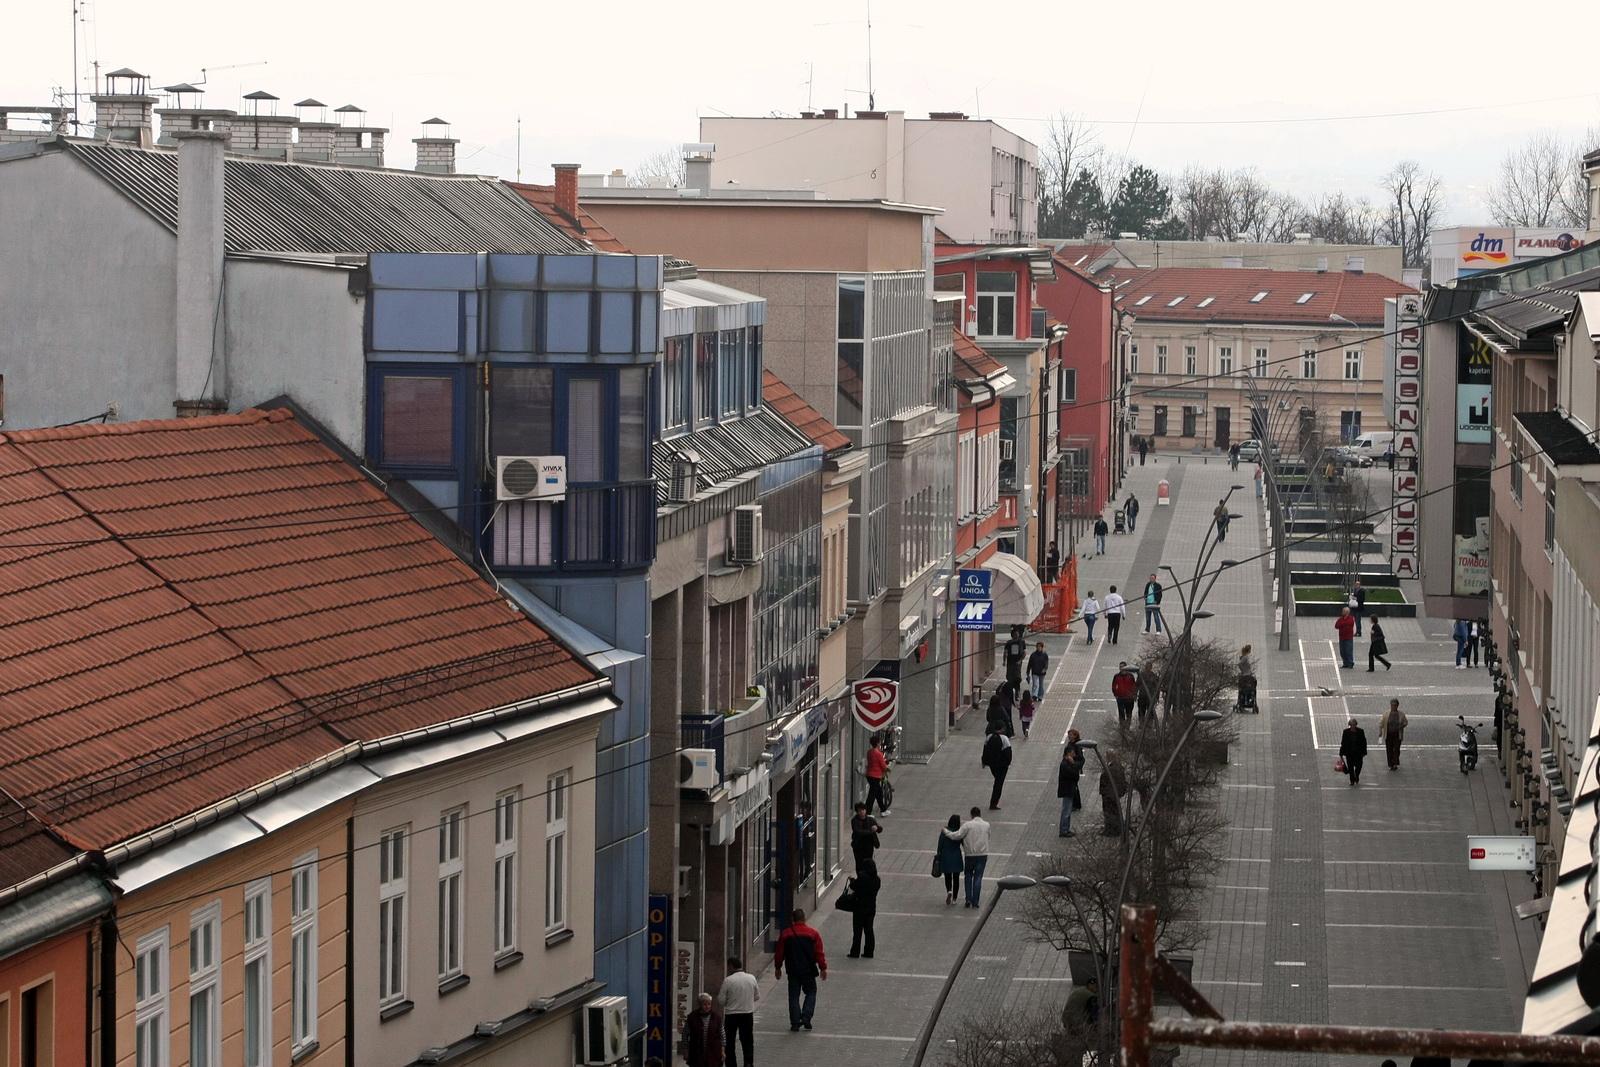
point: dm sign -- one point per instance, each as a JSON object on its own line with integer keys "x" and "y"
{"x": 874, "y": 702}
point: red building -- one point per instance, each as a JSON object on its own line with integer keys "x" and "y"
{"x": 1093, "y": 439}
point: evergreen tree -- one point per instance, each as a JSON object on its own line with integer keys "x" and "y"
{"x": 1142, "y": 201}
{"x": 1085, "y": 206}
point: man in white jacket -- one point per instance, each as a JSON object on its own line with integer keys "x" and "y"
{"x": 737, "y": 1000}
{"x": 974, "y": 838}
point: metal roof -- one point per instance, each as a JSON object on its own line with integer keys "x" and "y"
{"x": 1561, "y": 442}
{"x": 1519, "y": 315}
{"x": 728, "y": 450}
{"x": 302, "y": 207}
{"x": 41, "y": 916}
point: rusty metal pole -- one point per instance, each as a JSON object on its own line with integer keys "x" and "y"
{"x": 1136, "y": 986}
{"x": 1374, "y": 1041}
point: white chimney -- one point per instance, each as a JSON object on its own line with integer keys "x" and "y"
{"x": 697, "y": 166}
{"x": 1355, "y": 264}
{"x": 200, "y": 359}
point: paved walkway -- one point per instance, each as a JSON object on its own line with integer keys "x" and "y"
{"x": 1334, "y": 904}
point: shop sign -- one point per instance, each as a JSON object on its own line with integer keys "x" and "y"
{"x": 1474, "y": 366}
{"x": 1406, "y": 418}
{"x": 1470, "y": 563}
{"x": 1512, "y": 853}
{"x": 976, "y": 616}
{"x": 685, "y": 990}
{"x": 1486, "y": 249}
{"x": 874, "y": 702}
{"x": 749, "y": 790}
{"x": 975, "y": 584}
{"x": 658, "y": 1029}
{"x": 788, "y": 746}
{"x": 1545, "y": 241}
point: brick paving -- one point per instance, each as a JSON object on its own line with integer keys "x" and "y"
{"x": 1335, "y": 903}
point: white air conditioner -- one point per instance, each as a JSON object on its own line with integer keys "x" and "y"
{"x": 746, "y": 546}
{"x": 697, "y": 769}
{"x": 530, "y": 477}
{"x": 605, "y": 1032}
{"x": 1008, "y": 450}
{"x": 685, "y": 476}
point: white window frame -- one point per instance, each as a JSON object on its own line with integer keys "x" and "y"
{"x": 257, "y": 953}
{"x": 557, "y": 801}
{"x": 1191, "y": 360}
{"x": 1161, "y": 359}
{"x": 452, "y": 895}
{"x": 996, "y": 297}
{"x": 1175, "y": 301}
{"x": 1143, "y": 300}
{"x": 1305, "y": 298}
{"x": 507, "y": 872}
{"x": 205, "y": 984}
{"x": 394, "y": 917}
{"x": 1133, "y": 357}
{"x": 1262, "y": 295}
{"x": 1260, "y": 358}
{"x": 1225, "y": 359}
{"x": 1207, "y": 302}
{"x": 1308, "y": 363}
{"x": 151, "y": 1023}
{"x": 303, "y": 969}
{"x": 1352, "y": 362}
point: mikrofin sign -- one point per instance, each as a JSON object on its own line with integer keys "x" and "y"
{"x": 1406, "y": 418}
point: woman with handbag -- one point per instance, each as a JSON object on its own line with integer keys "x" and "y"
{"x": 1352, "y": 751}
{"x": 947, "y": 860}
{"x": 864, "y": 886}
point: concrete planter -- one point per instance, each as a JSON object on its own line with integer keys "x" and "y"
{"x": 744, "y": 736}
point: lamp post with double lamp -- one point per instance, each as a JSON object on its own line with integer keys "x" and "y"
{"x": 1281, "y": 389}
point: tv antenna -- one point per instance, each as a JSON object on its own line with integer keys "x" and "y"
{"x": 872, "y": 102}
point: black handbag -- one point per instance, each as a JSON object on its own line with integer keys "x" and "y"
{"x": 937, "y": 871}
{"x": 847, "y": 899}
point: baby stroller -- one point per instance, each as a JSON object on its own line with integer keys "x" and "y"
{"x": 1119, "y": 522}
{"x": 1247, "y": 696}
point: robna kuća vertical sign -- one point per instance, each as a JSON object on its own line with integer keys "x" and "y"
{"x": 1406, "y": 418}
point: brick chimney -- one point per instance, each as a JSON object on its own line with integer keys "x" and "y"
{"x": 260, "y": 130}
{"x": 567, "y": 189}
{"x": 436, "y": 149}
{"x": 316, "y": 132}
{"x": 354, "y": 142}
{"x": 200, "y": 359}
{"x": 184, "y": 111}
{"x": 126, "y": 110}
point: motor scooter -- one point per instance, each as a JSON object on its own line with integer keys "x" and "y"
{"x": 1467, "y": 747}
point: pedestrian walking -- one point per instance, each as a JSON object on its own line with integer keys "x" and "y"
{"x": 702, "y": 1034}
{"x": 1345, "y": 627}
{"x": 864, "y": 834}
{"x": 877, "y": 770}
{"x": 1091, "y": 612}
{"x": 737, "y": 998}
{"x": 1353, "y": 750}
{"x": 1392, "y": 727}
{"x": 1388, "y": 455}
{"x": 1038, "y": 666}
{"x": 1025, "y": 712}
{"x": 1246, "y": 667}
{"x": 1379, "y": 648}
{"x": 1144, "y": 447}
{"x": 1258, "y": 481}
{"x": 1475, "y": 633}
{"x": 1461, "y": 633}
{"x": 1115, "y": 606}
{"x": 997, "y": 757}
{"x": 1075, "y": 743}
{"x": 974, "y": 838}
{"x": 1146, "y": 696}
{"x": 1358, "y": 603}
{"x": 1113, "y": 786}
{"x": 998, "y": 717}
{"x": 1124, "y": 690}
{"x": 1131, "y": 510}
{"x": 947, "y": 859}
{"x": 1100, "y": 531}
{"x": 1067, "y": 776}
{"x": 1016, "y": 653}
{"x": 1233, "y": 457}
{"x": 1152, "y": 603}
{"x": 1052, "y": 564}
{"x": 1220, "y": 514}
{"x": 800, "y": 950}
{"x": 865, "y": 885}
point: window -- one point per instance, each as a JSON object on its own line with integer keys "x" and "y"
{"x": 205, "y": 987}
{"x": 392, "y": 884}
{"x": 1160, "y": 428}
{"x": 1262, "y": 295}
{"x": 1133, "y": 358}
{"x": 677, "y": 369}
{"x": 1207, "y": 302}
{"x": 521, "y": 411}
{"x": 1189, "y": 360}
{"x": 731, "y": 370}
{"x": 705, "y": 376}
{"x": 1550, "y": 516}
{"x": 258, "y": 974}
{"x": 555, "y": 852}
{"x": 1143, "y": 300}
{"x": 150, "y": 1000}
{"x": 450, "y": 902}
{"x": 1515, "y": 470}
{"x": 1260, "y": 356}
{"x": 1161, "y": 359}
{"x": 1175, "y": 301}
{"x": 1190, "y": 420}
{"x": 1069, "y": 385}
{"x": 1308, "y": 363}
{"x": 303, "y": 954}
{"x": 753, "y": 351}
{"x": 36, "y": 1027}
{"x": 997, "y": 303}
{"x": 1352, "y": 364}
{"x": 566, "y": 323}
{"x": 587, "y": 430}
{"x": 1304, "y": 298}
{"x": 505, "y": 873}
{"x": 1225, "y": 360}
{"x": 418, "y": 427}
{"x": 633, "y": 424}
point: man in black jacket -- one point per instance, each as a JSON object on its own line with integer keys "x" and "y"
{"x": 997, "y": 757}
{"x": 864, "y": 831}
{"x": 1038, "y": 664}
{"x": 1067, "y": 787}
{"x": 865, "y": 885}
{"x": 1152, "y": 603}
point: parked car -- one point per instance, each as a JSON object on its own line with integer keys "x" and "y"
{"x": 1250, "y": 450}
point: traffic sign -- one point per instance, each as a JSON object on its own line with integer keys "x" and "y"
{"x": 975, "y": 615}
{"x": 874, "y": 702}
{"x": 974, "y": 584}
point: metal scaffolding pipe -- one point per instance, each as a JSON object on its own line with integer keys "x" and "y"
{"x": 1362, "y": 1040}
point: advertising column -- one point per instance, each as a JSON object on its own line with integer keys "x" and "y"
{"x": 1406, "y": 418}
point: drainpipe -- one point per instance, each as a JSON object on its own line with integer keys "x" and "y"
{"x": 201, "y": 372}
{"x": 108, "y": 991}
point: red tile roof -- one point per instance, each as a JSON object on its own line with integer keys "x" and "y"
{"x": 806, "y": 420}
{"x": 1357, "y": 297}
{"x": 973, "y": 364}
{"x": 584, "y": 227}
{"x": 189, "y": 608}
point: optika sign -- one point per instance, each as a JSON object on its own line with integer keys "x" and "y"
{"x": 1487, "y": 250}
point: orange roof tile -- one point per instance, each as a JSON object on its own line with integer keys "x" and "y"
{"x": 973, "y": 364}
{"x": 806, "y": 419}
{"x": 189, "y": 608}
{"x": 585, "y": 227}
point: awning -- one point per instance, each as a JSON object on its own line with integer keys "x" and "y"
{"x": 1015, "y": 589}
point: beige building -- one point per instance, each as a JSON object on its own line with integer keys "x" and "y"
{"x": 1113, "y": 253}
{"x": 1198, "y": 336}
{"x": 983, "y": 177}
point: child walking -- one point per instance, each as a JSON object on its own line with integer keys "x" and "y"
{"x": 1025, "y": 712}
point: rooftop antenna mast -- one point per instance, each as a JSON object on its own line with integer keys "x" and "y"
{"x": 872, "y": 102}
{"x": 811, "y": 74}
{"x": 519, "y": 148}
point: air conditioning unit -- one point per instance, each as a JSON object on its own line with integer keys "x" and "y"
{"x": 605, "y": 1031}
{"x": 746, "y": 546}
{"x": 685, "y": 476}
{"x": 697, "y": 769}
{"x": 1008, "y": 449}
{"x": 530, "y": 477}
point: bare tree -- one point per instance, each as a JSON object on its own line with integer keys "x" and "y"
{"x": 1071, "y": 147}
{"x": 1012, "y": 1038}
{"x": 1339, "y": 219}
{"x": 1415, "y": 201}
{"x": 1541, "y": 184}
{"x": 659, "y": 170}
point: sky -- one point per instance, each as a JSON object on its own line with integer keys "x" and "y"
{"x": 607, "y": 84}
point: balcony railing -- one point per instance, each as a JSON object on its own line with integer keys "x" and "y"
{"x": 738, "y": 739}
{"x": 593, "y": 529}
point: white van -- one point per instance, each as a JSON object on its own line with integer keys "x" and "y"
{"x": 1374, "y": 444}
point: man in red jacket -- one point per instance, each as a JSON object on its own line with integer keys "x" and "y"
{"x": 1345, "y": 625}
{"x": 877, "y": 767}
{"x": 1124, "y": 688}
{"x": 800, "y": 950}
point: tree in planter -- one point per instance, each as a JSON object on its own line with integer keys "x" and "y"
{"x": 1349, "y": 504}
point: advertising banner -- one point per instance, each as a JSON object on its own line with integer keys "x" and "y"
{"x": 658, "y": 1030}
{"x": 1474, "y": 366}
{"x": 1470, "y": 575}
{"x": 1406, "y": 418}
